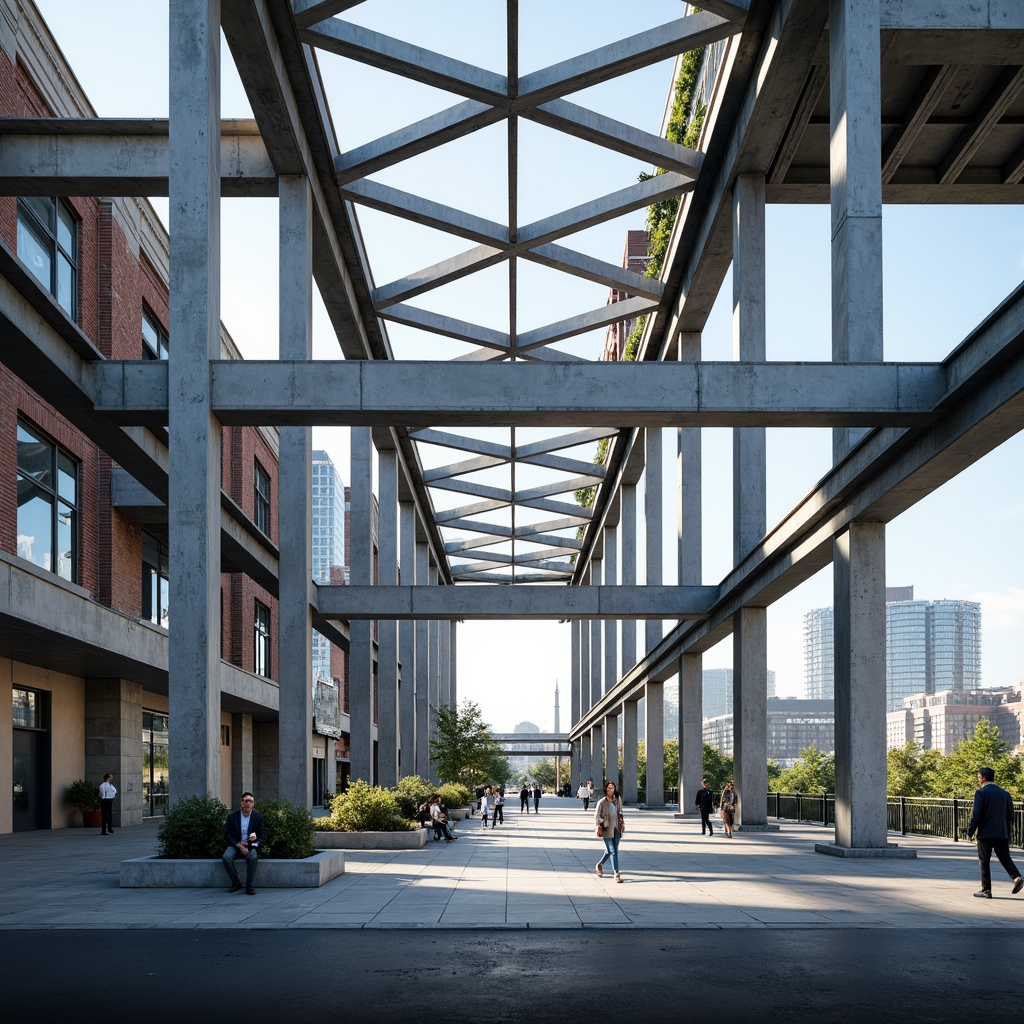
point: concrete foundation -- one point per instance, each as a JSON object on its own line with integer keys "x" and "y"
{"x": 891, "y": 851}
{"x": 414, "y": 840}
{"x": 159, "y": 873}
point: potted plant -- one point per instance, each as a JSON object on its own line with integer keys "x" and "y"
{"x": 82, "y": 795}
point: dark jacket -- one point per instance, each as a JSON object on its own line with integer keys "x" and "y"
{"x": 233, "y": 828}
{"x": 705, "y": 800}
{"x": 993, "y": 813}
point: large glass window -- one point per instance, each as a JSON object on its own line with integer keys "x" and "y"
{"x": 47, "y": 503}
{"x": 261, "y": 640}
{"x": 154, "y": 337}
{"x": 155, "y": 576}
{"x": 154, "y": 763}
{"x": 48, "y": 246}
{"x": 261, "y": 487}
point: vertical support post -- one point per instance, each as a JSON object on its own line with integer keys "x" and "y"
{"x": 387, "y": 629}
{"x": 433, "y": 680}
{"x": 587, "y": 758}
{"x": 653, "y": 515}
{"x": 407, "y": 646}
{"x": 361, "y": 630}
{"x": 585, "y": 666}
{"x": 859, "y": 581}
{"x": 611, "y": 626}
{"x": 575, "y": 697}
{"x": 596, "y": 629}
{"x": 453, "y": 662}
{"x": 654, "y": 711}
{"x": 855, "y": 159}
{"x": 194, "y": 477}
{"x": 630, "y": 734}
{"x": 628, "y": 573}
{"x": 295, "y": 483}
{"x": 690, "y": 538}
{"x": 750, "y": 646}
{"x": 597, "y": 754}
{"x": 611, "y": 747}
{"x": 423, "y": 670}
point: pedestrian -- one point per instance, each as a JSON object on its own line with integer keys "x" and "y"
{"x": 107, "y": 794}
{"x": 705, "y": 803}
{"x": 499, "y": 807}
{"x": 536, "y": 798}
{"x": 243, "y": 832}
{"x": 524, "y": 799}
{"x": 584, "y": 793}
{"x": 990, "y": 822}
{"x": 727, "y": 805}
{"x": 610, "y": 826}
{"x": 485, "y": 806}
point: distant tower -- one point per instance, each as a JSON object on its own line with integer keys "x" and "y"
{"x": 558, "y": 762}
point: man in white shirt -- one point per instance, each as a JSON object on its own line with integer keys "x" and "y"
{"x": 107, "y": 794}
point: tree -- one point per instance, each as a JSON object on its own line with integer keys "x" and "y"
{"x": 499, "y": 771}
{"x": 815, "y": 772}
{"x": 463, "y": 750}
{"x": 543, "y": 772}
{"x": 905, "y": 771}
{"x": 957, "y": 775}
{"x": 718, "y": 770}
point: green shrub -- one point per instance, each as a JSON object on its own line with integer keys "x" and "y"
{"x": 82, "y": 795}
{"x": 193, "y": 828}
{"x": 290, "y": 831}
{"x": 410, "y": 793}
{"x": 454, "y": 794}
{"x": 365, "y": 808}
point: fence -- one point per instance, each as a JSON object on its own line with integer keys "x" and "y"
{"x": 941, "y": 817}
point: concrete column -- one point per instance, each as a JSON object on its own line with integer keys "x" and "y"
{"x": 750, "y": 716}
{"x": 628, "y": 572}
{"x": 611, "y": 626}
{"x": 750, "y": 646}
{"x": 575, "y": 698}
{"x": 407, "y": 647}
{"x": 859, "y": 582}
{"x": 576, "y": 777}
{"x": 587, "y": 758}
{"x": 194, "y": 466}
{"x": 387, "y": 629}
{"x": 654, "y": 711}
{"x": 295, "y": 494}
{"x": 242, "y": 761}
{"x": 423, "y": 669}
{"x": 629, "y": 752}
{"x": 360, "y": 658}
{"x": 611, "y": 747}
{"x": 596, "y": 631}
{"x": 691, "y": 731}
{"x": 433, "y": 679}
{"x": 331, "y": 763}
{"x": 453, "y": 663}
{"x": 597, "y": 755}
{"x": 444, "y": 646}
{"x": 585, "y": 665}
{"x": 689, "y": 531}
{"x": 855, "y": 157}
{"x": 113, "y": 742}
{"x": 653, "y": 526}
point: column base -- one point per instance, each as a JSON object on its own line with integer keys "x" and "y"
{"x": 891, "y": 851}
{"x": 756, "y": 828}
{"x": 688, "y": 815}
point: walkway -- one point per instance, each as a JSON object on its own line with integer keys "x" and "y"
{"x": 534, "y": 872}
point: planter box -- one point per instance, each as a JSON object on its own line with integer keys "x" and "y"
{"x": 372, "y": 840}
{"x": 158, "y": 873}
{"x": 458, "y": 813}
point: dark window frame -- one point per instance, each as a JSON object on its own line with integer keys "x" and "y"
{"x": 162, "y": 339}
{"x": 261, "y": 497}
{"x": 52, "y": 490}
{"x": 47, "y": 236}
{"x": 261, "y": 639}
{"x": 161, "y": 569}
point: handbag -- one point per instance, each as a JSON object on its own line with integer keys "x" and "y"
{"x": 622, "y": 825}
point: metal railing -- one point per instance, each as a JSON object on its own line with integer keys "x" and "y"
{"x": 941, "y": 817}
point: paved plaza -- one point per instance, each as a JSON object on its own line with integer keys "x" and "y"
{"x": 535, "y": 872}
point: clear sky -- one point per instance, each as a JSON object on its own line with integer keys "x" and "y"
{"x": 945, "y": 268}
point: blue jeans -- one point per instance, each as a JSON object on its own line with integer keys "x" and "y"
{"x": 611, "y": 852}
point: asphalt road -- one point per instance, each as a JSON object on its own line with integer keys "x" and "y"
{"x": 355, "y": 976}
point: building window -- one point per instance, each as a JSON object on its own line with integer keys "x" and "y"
{"x": 47, "y": 503}
{"x": 48, "y": 246}
{"x": 155, "y": 579}
{"x": 261, "y": 486}
{"x": 261, "y": 640}
{"x": 154, "y": 337}
{"x": 155, "y": 763}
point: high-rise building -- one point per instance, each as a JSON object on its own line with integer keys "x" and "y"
{"x": 930, "y": 646}
{"x": 718, "y": 691}
{"x": 942, "y": 719}
{"x": 793, "y": 725}
{"x": 328, "y": 542}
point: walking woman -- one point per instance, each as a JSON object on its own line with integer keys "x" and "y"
{"x": 727, "y": 805}
{"x": 610, "y": 826}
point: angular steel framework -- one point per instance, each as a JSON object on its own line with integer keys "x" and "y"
{"x": 848, "y": 103}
